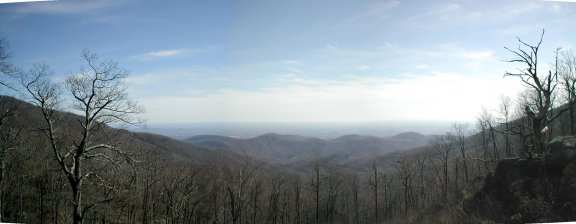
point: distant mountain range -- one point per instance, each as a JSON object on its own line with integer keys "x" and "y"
{"x": 284, "y": 149}
{"x": 324, "y": 130}
{"x": 290, "y": 151}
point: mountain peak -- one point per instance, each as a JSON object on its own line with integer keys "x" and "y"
{"x": 409, "y": 136}
{"x": 283, "y": 137}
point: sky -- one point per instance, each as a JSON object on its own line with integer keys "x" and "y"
{"x": 297, "y": 60}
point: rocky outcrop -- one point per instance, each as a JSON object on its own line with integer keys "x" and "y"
{"x": 561, "y": 151}
{"x": 531, "y": 190}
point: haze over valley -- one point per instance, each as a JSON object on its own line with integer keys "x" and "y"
{"x": 319, "y": 130}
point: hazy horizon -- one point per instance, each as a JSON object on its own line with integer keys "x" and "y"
{"x": 325, "y": 130}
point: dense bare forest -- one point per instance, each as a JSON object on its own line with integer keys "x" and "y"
{"x": 63, "y": 158}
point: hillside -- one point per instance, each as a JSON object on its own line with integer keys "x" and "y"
{"x": 27, "y": 117}
{"x": 282, "y": 149}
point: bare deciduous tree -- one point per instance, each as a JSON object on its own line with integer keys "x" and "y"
{"x": 315, "y": 182}
{"x": 373, "y": 181}
{"x": 568, "y": 81}
{"x": 8, "y": 133}
{"x": 99, "y": 95}
{"x": 276, "y": 182}
{"x": 332, "y": 181}
{"x": 488, "y": 124}
{"x": 460, "y": 130}
{"x": 6, "y": 68}
{"x": 443, "y": 146}
{"x": 543, "y": 87}
{"x": 8, "y": 141}
{"x": 421, "y": 163}
{"x": 238, "y": 188}
{"x": 297, "y": 198}
{"x": 404, "y": 168}
{"x": 505, "y": 110}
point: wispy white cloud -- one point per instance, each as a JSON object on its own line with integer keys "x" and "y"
{"x": 570, "y": 1}
{"x": 375, "y": 13}
{"x": 294, "y": 70}
{"x": 422, "y": 66}
{"x": 468, "y": 13}
{"x": 173, "y": 80}
{"x": 336, "y": 51}
{"x": 160, "y": 54}
{"x": 292, "y": 62}
{"x": 407, "y": 58}
{"x": 484, "y": 54}
{"x": 70, "y": 7}
{"x": 453, "y": 51}
{"x": 522, "y": 9}
{"x": 143, "y": 79}
{"x": 103, "y": 19}
{"x": 22, "y": 1}
{"x": 440, "y": 11}
{"x": 363, "y": 68}
{"x": 437, "y": 50}
{"x": 517, "y": 30}
{"x": 380, "y": 9}
{"x": 202, "y": 50}
{"x": 432, "y": 96}
{"x": 168, "y": 53}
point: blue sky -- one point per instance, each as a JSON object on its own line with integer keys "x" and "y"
{"x": 298, "y": 60}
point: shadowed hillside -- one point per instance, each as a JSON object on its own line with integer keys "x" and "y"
{"x": 27, "y": 117}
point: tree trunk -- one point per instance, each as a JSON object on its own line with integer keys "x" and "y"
{"x": 297, "y": 201}
{"x": 317, "y": 190}
{"x": 145, "y": 206}
{"x": 463, "y": 151}
{"x": 375, "y": 188}
{"x": 233, "y": 209}
{"x": 77, "y": 212}
{"x": 507, "y": 140}
{"x": 318, "y": 198}
{"x": 494, "y": 145}
{"x": 356, "y": 204}
{"x": 538, "y": 139}
{"x": 406, "y": 197}
{"x": 40, "y": 187}
{"x": 446, "y": 182}
{"x": 76, "y": 183}
{"x": 1, "y": 184}
{"x": 571, "y": 111}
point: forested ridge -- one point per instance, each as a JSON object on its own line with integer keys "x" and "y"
{"x": 287, "y": 149}
{"x": 63, "y": 159}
